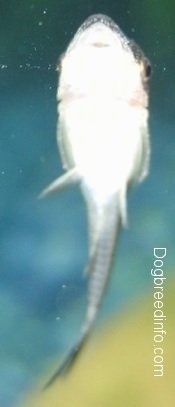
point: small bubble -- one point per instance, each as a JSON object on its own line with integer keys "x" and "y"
{"x": 3, "y": 66}
{"x": 58, "y": 318}
{"x": 2, "y": 172}
{"x": 63, "y": 285}
{"x": 40, "y": 23}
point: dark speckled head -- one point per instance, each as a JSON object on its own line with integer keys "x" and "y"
{"x": 102, "y": 19}
{"x": 99, "y": 22}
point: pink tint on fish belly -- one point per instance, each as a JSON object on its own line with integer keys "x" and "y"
{"x": 139, "y": 100}
{"x": 87, "y": 73}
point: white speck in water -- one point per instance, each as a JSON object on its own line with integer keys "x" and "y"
{"x": 58, "y": 318}
{"x": 63, "y": 285}
{"x": 3, "y": 66}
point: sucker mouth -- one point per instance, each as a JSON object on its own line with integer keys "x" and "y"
{"x": 99, "y": 44}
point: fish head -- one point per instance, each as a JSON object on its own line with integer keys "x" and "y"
{"x": 102, "y": 62}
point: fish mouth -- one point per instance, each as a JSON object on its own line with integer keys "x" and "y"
{"x": 99, "y": 44}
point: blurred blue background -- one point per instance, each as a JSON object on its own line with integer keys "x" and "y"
{"x": 43, "y": 244}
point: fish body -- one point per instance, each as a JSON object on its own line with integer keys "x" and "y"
{"x": 103, "y": 138}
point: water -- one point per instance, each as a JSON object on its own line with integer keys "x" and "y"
{"x": 43, "y": 244}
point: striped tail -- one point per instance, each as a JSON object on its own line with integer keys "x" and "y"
{"x": 104, "y": 224}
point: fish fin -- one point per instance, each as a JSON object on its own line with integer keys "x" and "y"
{"x": 68, "y": 362}
{"x": 62, "y": 182}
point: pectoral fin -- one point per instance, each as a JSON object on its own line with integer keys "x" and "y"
{"x": 62, "y": 182}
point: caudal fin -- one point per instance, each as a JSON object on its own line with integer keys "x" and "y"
{"x": 68, "y": 362}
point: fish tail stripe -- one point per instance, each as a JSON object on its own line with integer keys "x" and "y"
{"x": 101, "y": 262}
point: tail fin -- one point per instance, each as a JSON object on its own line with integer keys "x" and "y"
{"x": 104, "y": 229}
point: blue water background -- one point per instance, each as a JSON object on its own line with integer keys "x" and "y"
{"x": 43, "y": 244}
